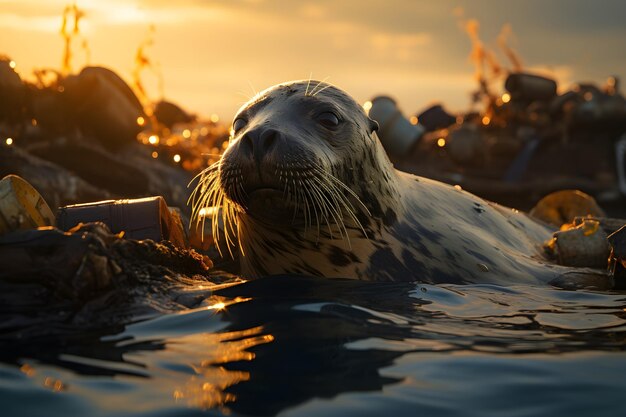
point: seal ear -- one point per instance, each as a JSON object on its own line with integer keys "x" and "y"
{"x": 373, "y": 124}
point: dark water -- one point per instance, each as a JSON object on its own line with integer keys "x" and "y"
{"x": 309, "y": 347}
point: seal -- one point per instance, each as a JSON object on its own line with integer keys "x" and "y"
{"x": 306, "y": 187}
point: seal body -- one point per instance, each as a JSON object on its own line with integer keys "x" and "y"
{"x": 306, "y": 187}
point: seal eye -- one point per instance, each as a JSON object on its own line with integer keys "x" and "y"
{"x": 328, "y": 119}
{"x": 238, "y": 124}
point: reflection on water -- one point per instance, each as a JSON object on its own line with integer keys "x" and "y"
{"x": 305, "y": 346}
{"x": 206, "y": 388}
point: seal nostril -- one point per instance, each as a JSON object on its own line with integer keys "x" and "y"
{"x": 267, "y": 139}
{"x": 247, "y": 143}
{"x": 258, "y": 142}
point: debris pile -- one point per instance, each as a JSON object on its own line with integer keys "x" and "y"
{"x": 87, "y": 137}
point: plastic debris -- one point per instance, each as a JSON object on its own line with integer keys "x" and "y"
{"x": 563, "y": 207}
{"x": 21, "y": 206}
{"x": 396, "y": 133}
{"x": 144, "y": 218}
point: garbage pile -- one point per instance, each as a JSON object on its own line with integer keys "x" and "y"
{"x": 87, "y": 137}
{"x": 527, "y": 142}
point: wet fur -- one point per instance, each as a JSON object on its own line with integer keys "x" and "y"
{"x": 374, "y": 222}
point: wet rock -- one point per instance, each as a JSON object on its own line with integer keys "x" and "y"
{"x": 582, "y": 245}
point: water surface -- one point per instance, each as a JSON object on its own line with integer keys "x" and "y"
{"x": 299, "y": 346}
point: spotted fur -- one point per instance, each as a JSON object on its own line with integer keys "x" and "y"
{"x": 339, "y": 209}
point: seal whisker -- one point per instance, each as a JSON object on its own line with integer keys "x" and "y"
{"x": 305, "y": 197}
{"x": 198, "y": 195}
{"x": 321, "y": 89}
{"x": 308, "y": 83}
{"x": 334, "y": 200}
{"x": 343, "y": 200}
{"x": 344, "y": 187}
{"x": 310, "y": 204}
{"x": 320, "y": 206}
{"x": 312, "y": 93}
{"x": 332, "y": 208}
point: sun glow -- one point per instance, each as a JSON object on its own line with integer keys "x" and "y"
{"x": 217, "y": 306}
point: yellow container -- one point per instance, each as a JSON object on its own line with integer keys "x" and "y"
{"x": 21, "y": 206}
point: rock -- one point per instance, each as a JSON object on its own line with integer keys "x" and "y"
{"x": 103, "y": 106}
{"x": 57, "y": 185}
{"x": 435, "y": 118}
{"x": 13, "y": 93}
{"x": 99, "y": 167}
{"x": 169, "y": 114}
{"x": 582, "y": 245}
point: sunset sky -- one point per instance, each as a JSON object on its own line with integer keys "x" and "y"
{"x": 213, "y": 54}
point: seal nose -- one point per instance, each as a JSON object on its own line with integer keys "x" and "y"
{"x": 257, "y": 142}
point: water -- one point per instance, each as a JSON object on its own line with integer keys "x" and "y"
{"x": 307, "y": 347}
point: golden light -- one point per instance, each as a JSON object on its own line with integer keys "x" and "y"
{"x": 9, "y": 141}
{"x": 441, "y": 142}
{"x": 204, "y": 131}
{"x": 141, "y": 121}
{"x": 208, "y": 211}
{"x": 486, "y": 120}
{"x": 177, "y": 158}
{"x": 33, "y": 122}
{"x": 413, "y": 120}
{"x": 27, "y": 369}
{"x": 153, "y": 139}
{"x": 215, "y": 118}
{"x": 155, "y": 154}
{"x": 12, "y": 64}
{"x": 367, "y": 106}
{"x": 55, "y": 385}
{"x": 217, "y": 306}
{"x": 186, "y": 133}
{"x": 506, "y": 97}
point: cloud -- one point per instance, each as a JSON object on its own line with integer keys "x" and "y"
{"x": 209, "y": 50}
{"x": 17, "y": 22}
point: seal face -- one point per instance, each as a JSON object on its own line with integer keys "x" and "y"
{"x": 306, "y": 187}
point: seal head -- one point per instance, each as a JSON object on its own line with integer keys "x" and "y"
{"x": 306, "y": 187}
